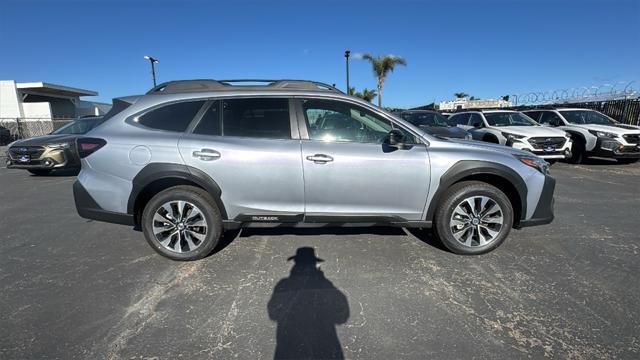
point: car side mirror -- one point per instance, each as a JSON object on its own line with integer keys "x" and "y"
{"x": 395, "y": 138}
{"x": 477, "y": 125}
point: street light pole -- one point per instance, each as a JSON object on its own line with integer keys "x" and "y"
{"x": 153, "y": 67}
{"x": 346, "y": 55}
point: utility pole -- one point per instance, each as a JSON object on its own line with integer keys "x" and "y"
{"x": 346, "y": 55}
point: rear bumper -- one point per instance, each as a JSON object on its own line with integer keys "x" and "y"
{"x": 89, "y": 209}
{"x": 544, "y": 210}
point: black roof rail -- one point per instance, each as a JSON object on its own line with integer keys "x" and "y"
{"x": 197, "y": 85}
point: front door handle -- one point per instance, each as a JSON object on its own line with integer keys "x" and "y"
{"x": 320, "y": 158}
{"x": 206, "y": 154}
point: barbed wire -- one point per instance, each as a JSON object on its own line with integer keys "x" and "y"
{"x": 602, "y": 92}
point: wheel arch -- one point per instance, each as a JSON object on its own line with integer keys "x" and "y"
{"x": 498, "y": 175}
{"x": 157, "y": 177}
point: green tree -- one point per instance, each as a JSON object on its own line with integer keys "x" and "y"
{"x": 382, "y": 65}
{"x": 366, "y": 94}
{"x": 352, "y": 90}
{"x": 461, "y": 95}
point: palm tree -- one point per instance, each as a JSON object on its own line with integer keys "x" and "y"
{"x": 461, "y": 95}
{"x": 366, "y": 94}
{"x": 351, "y": 90}
{"x": 383, "y": 65}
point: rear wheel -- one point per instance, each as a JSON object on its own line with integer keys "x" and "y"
{"x": 627, "y": 161}
{"x": 473, "y": 218}
{"x": 40, "y": 172}
{"x": 182, "y": 223}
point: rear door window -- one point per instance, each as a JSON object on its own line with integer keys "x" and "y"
{"x": 266, "y": 118}
{"x": 172, "y": 117}
{"x": 211, "y": 122}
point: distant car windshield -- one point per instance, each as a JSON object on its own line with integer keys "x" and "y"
{"x": 508, "y": 119}
{"x": 586, "y": 117}
{"x": 79, "y": 127}
{"x": 425, "y": 119}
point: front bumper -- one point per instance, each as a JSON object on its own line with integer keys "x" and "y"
{"x": 89, "y": 209}
{"x": 40, "y": 157}
{"x": 559, "y": 153}
{"x": 543, "y": 213}
{"x": 613, "y": 148}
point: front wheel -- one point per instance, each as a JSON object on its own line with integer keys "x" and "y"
{"x": 182, "y": 223}
{"x": 473, "y": 218}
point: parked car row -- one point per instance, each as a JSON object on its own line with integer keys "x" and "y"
{"x": 553, "y": 134}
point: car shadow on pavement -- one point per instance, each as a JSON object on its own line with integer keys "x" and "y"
{"x": 307, "y": 307}
{"x": 58, "y": 173}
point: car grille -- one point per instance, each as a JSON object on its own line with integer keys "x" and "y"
{"x": 33, "y": 151}
{"x": 632, "y": 138}
{"x": 545, "y": 142}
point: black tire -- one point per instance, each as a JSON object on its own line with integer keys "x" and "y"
{"x": 207, "y": 206}
{"x": 454, "y": 196}
{"x": 40, "y": 172}
{"x": 577, "y": 153}
{"x": 627, "y": 161}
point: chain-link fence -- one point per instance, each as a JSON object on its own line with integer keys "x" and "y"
{"x": 12, "y": 129}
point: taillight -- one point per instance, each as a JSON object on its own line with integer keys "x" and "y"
{"x": 87, "y": 146}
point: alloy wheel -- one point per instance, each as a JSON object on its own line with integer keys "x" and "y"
{"x": 476, "y": 221}
{"x": 179, "y": 226}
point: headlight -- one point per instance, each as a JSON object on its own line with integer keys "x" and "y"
{"x": 59, "y": 146}
{"x": 535, "y": 162}
{"x": 11, "y": 144}
{"x": 511, "y": 136}
{"x": 603, "y": 134}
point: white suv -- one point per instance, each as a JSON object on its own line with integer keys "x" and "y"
{"x": 514, "y": 129}
{"x": 593, "y": 133}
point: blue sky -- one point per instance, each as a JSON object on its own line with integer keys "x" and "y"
{"x": 484, "y": 48}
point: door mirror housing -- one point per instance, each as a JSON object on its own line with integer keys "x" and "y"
{"x": 395, "y": 138}
{"x": 477, "y": 125}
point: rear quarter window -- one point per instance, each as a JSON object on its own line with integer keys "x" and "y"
{"x": 172, "y": 117}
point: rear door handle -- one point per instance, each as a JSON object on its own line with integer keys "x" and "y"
{"x": 206, "y": 154}
{"x": 320, "y": 158}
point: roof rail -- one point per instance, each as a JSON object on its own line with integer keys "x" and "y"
{"x": 180, "y": 86}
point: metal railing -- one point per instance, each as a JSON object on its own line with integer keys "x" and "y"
{"x": 12, "y": 129}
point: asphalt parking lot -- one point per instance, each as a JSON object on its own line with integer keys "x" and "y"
{"x": 73, "y": 288}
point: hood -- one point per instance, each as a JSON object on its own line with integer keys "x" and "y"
{"x": 445, "y": 131}
{"x": 619, "y": 129}
{"x": 530, "y": 131}
{"x": 491, "y": 146}
{"x": 45, "y": 139}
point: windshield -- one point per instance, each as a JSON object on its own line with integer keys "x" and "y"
{"x": 509, "y": 119}
{"x": 79, "y": 127}
{"x": 586, "y": 117}
{"x": 425, "y": 119}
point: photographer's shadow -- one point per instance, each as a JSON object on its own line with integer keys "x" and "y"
{"x": 307, "y": 308}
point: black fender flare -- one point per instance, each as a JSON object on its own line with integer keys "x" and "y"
{"x": 468, "y": 168}
{"x": 158, "y": 171}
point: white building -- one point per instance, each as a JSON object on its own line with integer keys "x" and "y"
{"x": 46, "y": 101}
{"x": 465, "y": 103}
{"x": 36, "y": 108}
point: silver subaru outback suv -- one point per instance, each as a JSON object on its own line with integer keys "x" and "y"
{"x": 191, "y": 159}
